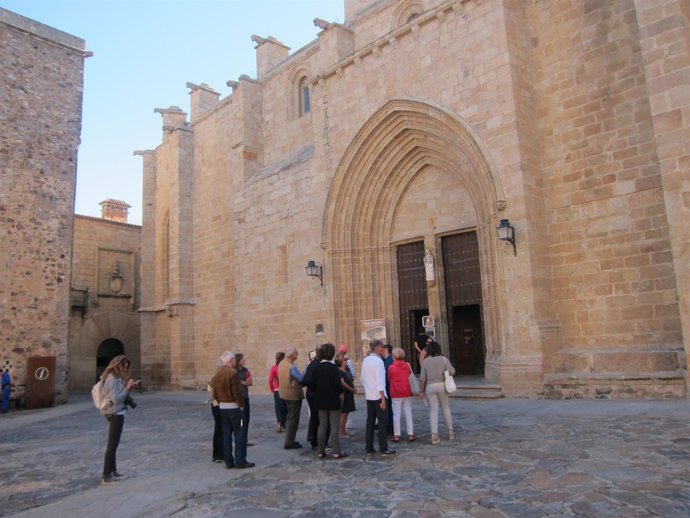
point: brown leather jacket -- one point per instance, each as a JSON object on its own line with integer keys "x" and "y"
{"x": 227, "y": 387}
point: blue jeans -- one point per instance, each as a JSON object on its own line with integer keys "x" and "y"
{"x": 280, "y": 408}
{"x": 230, "y": 421}
{"x": 6, "y": 398}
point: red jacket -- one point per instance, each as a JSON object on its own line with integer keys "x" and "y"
{"x": 399, "y": 379}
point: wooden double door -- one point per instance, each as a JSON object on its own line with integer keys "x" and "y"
{"x": 462, "y": 292}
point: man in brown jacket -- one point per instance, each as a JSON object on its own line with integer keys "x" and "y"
{"x": 290, "y": 389}
{"x": 227, "y": 390}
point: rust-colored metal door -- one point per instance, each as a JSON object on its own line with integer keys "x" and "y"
{"x": 413, "y": 295}
{"x": 463, "y": 286}
{"x": 40, "y": 382}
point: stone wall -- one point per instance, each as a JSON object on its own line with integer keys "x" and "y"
{"x": 42, "y": 75}
{"x": 105, "y": 295}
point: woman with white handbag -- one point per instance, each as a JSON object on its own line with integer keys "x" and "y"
{"x": 432, "y": 380}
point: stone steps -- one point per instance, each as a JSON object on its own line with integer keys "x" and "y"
{"x": 477, "y": 388}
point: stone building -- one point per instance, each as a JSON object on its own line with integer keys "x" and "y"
{"x": 40, "y": 117}
{"x": 389, "y": 150}
{"x": 104, "y": 295}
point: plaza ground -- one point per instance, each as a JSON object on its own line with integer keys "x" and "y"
{"x": 510, "y": 458}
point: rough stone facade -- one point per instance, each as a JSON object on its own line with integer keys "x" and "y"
{"x": 105, "y": 295}
{"x": 41, "y": 100}
{"x": 423, "y": 123}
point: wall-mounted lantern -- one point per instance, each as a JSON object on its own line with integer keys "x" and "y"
{"x": 506, "y": 232}
{"x": 314, "y": 271}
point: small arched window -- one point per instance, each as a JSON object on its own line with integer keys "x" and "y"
{"x": 304, "y": 97}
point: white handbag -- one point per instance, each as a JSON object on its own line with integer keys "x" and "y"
{"x": 448, "y": 379}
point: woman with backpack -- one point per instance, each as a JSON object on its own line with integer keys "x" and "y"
{"x": 117, "y": 385}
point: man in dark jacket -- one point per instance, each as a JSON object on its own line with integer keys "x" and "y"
{"x": 325, "y": 383}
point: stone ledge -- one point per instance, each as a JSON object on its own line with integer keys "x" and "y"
{"x": 653, "y": 385}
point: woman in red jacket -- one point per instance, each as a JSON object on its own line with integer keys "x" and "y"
{"x": 273, "y": 386}
{"x": 401, "y": 393}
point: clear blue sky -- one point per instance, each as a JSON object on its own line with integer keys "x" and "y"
{"x": 145, "y": 51}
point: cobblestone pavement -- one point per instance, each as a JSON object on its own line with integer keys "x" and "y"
{"x": 515, "y": 458}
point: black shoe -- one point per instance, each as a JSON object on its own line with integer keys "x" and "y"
{"x": 388, "y": 451}
{"x": 216, "y": 459}
{"x": 229, "y": 466}
{"x": 293, "y": 446}
{"x": 250, "y": 444}
{"x": 246, "y": 465}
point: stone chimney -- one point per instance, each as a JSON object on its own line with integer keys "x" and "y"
{"x": 114, "y": 210}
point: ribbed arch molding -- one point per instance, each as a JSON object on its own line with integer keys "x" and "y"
{"x": 400, "y": 140}
{"x": 383, "y": 158}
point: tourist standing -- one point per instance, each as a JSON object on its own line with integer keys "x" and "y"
{"x": 290, "y": 379}
{"x": 227, "y": 390}
{"x": 246, "y": 382}
{"x": 274, "y": 387}
{"x": 117, "y": 385}
{"x": 350, "y": 365}
{"x": 348, "y": 395}
{"x": 374, "y": 383}
{"x": 6, "y": 390}
{"x": 313, "y": 427}
{"x": 401, "y": 394}
{"x": 432, "y": 384}
{"x": 327, "y": 387}
{"x": 217, "y": 451}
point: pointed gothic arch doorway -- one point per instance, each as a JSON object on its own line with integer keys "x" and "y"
{"x": 413, "y": 173}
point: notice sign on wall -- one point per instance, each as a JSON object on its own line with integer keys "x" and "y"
{"x": 373, "y": 329}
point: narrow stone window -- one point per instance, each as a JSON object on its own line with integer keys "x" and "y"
{"x": 304, "y": 96}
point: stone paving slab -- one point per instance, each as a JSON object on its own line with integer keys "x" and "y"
{"x": 510, "y": 458}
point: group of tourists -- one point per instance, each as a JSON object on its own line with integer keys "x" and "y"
{"x": 330, "y": 388}
{"x": 327, "y": 383}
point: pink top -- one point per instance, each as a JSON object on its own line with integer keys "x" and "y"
{"x": 273, "y": 379}
{"x": 399, "y": 379}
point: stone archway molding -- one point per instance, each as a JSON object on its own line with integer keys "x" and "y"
{"x": 398, "y": 141}
{"x": 102, "y": 326}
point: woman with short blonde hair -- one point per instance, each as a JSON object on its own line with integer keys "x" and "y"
{"x": 400, "y": 393}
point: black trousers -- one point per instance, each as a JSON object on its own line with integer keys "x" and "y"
{"x": 217, "y": 433}
{"x": 313, "y": 429}
{"x": 375, "y": 413}
{"x": 117, "y": 422}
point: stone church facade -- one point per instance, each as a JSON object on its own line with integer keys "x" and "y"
{"x": 389, "y": 150}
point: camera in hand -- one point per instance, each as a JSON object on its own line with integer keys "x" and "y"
{"x": 129, "y": 402}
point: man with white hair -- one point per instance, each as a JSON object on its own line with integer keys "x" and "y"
{"x": 227, "y": 390}
{"x": 374, "y": 383}
{"x": 290, "y": 389}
